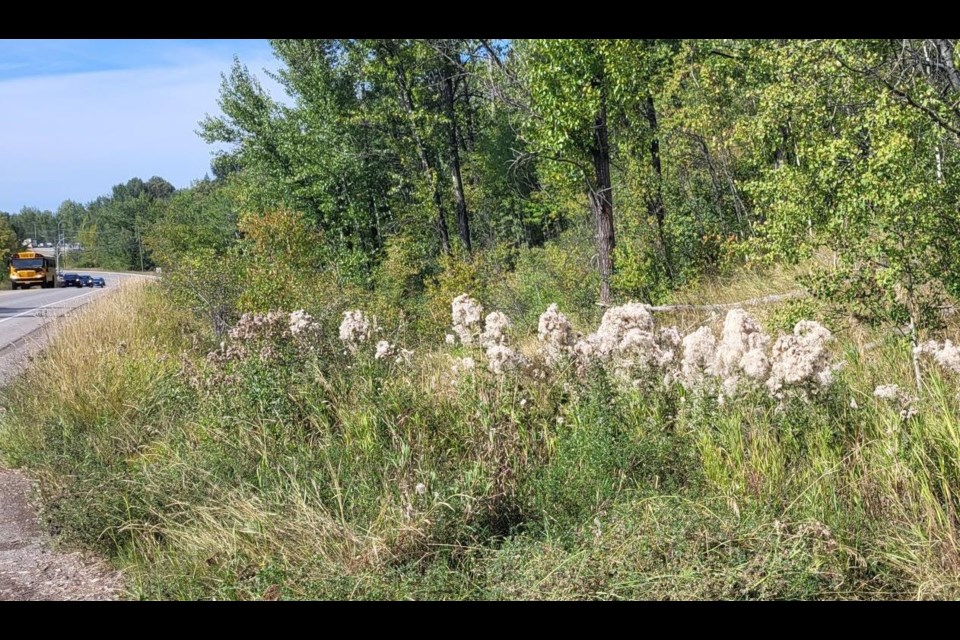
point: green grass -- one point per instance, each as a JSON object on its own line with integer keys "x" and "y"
{"x": 326, "y": 477}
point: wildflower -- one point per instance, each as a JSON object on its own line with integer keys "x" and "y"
{"x": 669, "y": 340}
{"x": 755, "y": 364}
{"x": 450, "y": 339}
{"x": 259, "y": 326}
{"x": 699, "y": 353}
{"x": 741, "y": 350}
{"x": 384, "y": 350}
{"x": 887, "y": 392}
{"x": 494, "y": 327}
{"x": 403, "y": 356}
{"x": 894, "y": 394}
{"x": 501, "y": 359}
{"x": 301, "y": 323}
{"x": 947, "y": 354}
{"x": 420, "y": 489}
{"x": 628, "y": 341}
{"x": 801, "y": 359}
{"x": 466, "y": 313}
{"x": 556, "y": 334}
{"x": 616, "y": 323}
{"x": 355, "y": 329}
{"x": 908, "y": 412}
{"x": 584, "y": 351}
{"x": 463, "y": 365}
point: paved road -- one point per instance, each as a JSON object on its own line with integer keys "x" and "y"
{"x": 25, "y": 311}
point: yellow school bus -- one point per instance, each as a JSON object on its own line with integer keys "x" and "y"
{"x": 28, "y": 268}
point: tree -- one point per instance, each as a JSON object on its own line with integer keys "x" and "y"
{"x": 569, "y": 89}
{"x": 8, "y": 239}
{"x": 199, "y": 218}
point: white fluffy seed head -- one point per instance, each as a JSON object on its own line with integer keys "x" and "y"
{"x": 741, "y": 335}
{"x": 616, "y": 323}
{"x": 699, "y": 353}
{"x": 556, "y": 335}
{"x": 945, "y": 354}
{"x": 801, "y": 360}
{"x": 463, "y": 365}
{"x": 302, "y": 323}
{"x": 899, "y": 397}
{"x": 355, "y": 329}
{"x": 887, "y": 392}
{"x": 385, "y": 350}
{"x": 466, "y": 314}
{"x": 501, "y": 359}
{"x": 495, "y": 328}
{"x": 755, "y": 364}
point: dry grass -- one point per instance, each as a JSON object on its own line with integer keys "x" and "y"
{"x": 349, "y": 478}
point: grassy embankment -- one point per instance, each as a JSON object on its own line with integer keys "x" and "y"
{"x": 322, "y": 475}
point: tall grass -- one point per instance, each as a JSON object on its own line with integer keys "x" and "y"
{"x": 331, "y": 476}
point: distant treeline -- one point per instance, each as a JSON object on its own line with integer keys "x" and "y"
{"x": 651, "y": 162}
{"x": 111, "y": 230}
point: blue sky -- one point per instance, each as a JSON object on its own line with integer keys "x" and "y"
{"x": 79, "y": 116}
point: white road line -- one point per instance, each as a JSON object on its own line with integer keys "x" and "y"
{"x": 61, "y": 301}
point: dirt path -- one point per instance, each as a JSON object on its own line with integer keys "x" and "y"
{"x": 29, "y": 569}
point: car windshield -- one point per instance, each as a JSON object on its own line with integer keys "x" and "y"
{"x": 27, "y": 263}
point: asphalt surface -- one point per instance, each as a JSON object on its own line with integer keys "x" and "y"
{"x": 23, "y": 313}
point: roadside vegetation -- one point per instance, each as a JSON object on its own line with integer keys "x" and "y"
{"x": 282, "y": 463}
{"x": 450, "y": 323}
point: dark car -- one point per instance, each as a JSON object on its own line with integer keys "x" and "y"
{"x": 85, "y": 281}
{"x": 98, "y": 281}
{"x": 71, "y": 280}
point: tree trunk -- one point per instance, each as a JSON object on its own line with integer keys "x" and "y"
{"x": 601, "y": 200}
{"x": 469, "y": 143}
{"x": 945, "y": 48}
{"x": 463, "y": 221}
{"x": 406, "y": 98}
{"x": 655, "y": 203}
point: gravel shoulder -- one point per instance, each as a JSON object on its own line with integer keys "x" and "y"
{"x": 32, "y": 567}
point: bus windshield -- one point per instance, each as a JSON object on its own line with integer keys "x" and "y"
{"x": 27, "y": 263}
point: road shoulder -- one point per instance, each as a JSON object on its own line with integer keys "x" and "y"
{"x": 31, "y": 565}
{"x": 30, "y": 568}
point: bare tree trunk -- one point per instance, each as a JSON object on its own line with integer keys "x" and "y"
{"x": 407, "y": 99}
{"x": 463, "y": 221}
{"x": 945, "y": 47}
{"x": 655, "y": 204}
{"x": 469, "y": 139}
{"x": 601, "y": 201}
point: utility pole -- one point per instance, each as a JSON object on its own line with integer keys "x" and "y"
{"x": 59, "y": 248}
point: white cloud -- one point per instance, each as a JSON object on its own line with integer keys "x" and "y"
{"x": 74, "y": 136}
